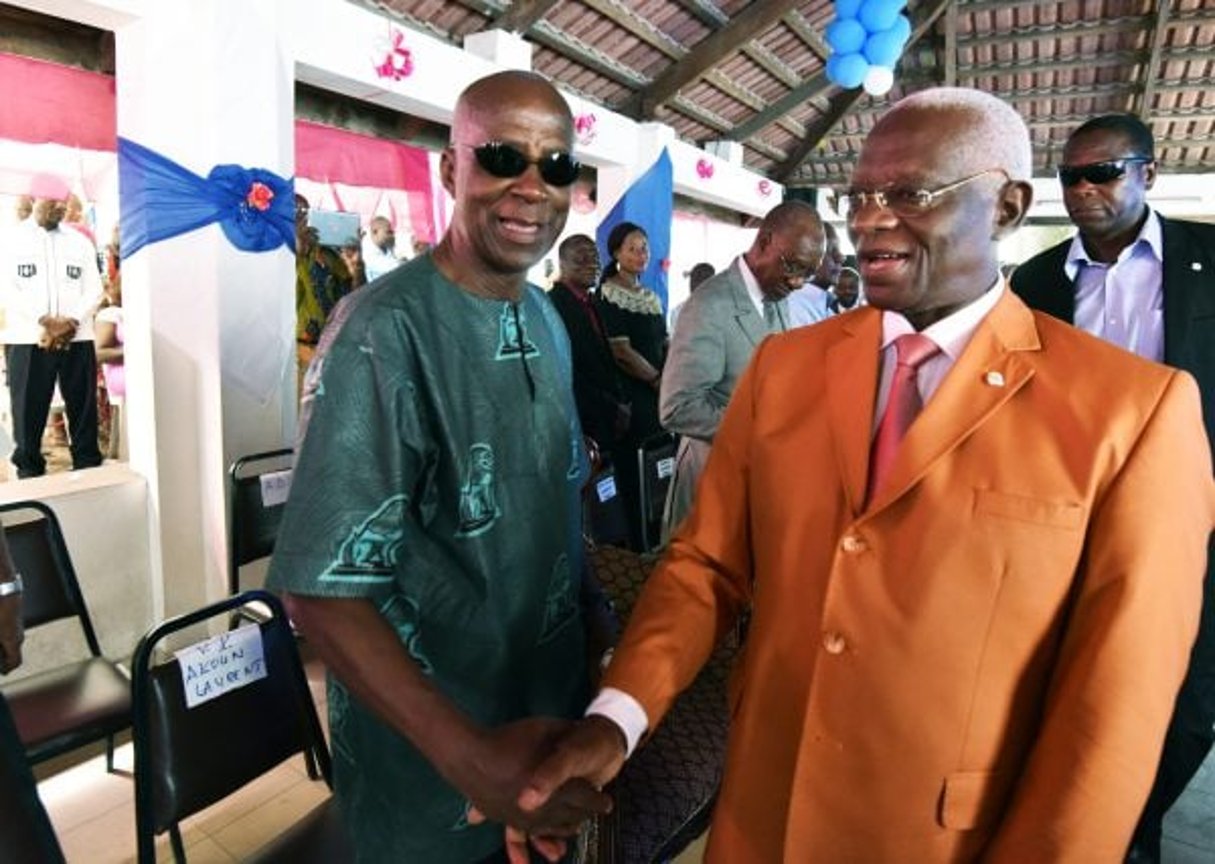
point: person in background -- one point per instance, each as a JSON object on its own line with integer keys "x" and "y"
{"x": 351, "y": 254}
{"x": 722, "y": 325}
{"x": 697, "y": 275}
{"x": 25, "y": 206}
{"x": 637, "y": 333}
{"x": 813, "y": 302}
{"x": 603, "y": 408}
{"x": 321, "y": 280}
{"x": 379, "y": 248}
{"x": 1147, "y": 284}
{"x": 847, "y": 291}
{"x": 50, "y": 285}
{"x": 966, "y": 643}
{"x": 108, "y": 338}
{"x": 431, "y": 548}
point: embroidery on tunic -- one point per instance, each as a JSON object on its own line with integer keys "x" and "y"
{"x": 403, "y": 616}
{"x": 560, "y": 605}
{"x": 512, "y": 334}
{"x": 478, "y": 501}
{"x": 370, "y": 552}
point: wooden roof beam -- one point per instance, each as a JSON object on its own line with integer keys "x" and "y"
{"x": 1151, "y": 74}
{"x": 706, "y": 13}
{"x": 522, "y": 15}
{"x": 950, "y": 76}
{"x": 756, "y": 18}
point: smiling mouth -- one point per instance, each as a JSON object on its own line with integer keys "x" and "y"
{"x": 881, "y": 261}
{"x": 521, "y": 230}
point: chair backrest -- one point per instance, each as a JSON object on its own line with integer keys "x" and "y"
{"x": 40, "y": 555}
{"x": 253, "y": 515}
{"x": 26, "y": 834}
{"x": 656, "y": 467}
{"x": 187, "y": 758}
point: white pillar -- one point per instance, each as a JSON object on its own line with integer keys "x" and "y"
{"x": 210, "y": 329}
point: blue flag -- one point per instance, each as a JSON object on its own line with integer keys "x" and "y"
{"x": 649, "y": 202}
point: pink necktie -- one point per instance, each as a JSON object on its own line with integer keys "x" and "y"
{"x": 902, "y": 406}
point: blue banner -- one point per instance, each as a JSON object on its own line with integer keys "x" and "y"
{"x": 161, "y": 199}
{"x": 650, "y": 203}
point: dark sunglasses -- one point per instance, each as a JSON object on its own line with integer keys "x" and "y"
{"x": 505, "y": 161}
{"x": 1099, "y": 173}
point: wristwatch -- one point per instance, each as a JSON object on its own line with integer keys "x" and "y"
{"x": 16, "y": 586}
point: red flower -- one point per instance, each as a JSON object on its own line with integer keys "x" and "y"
{"x": 259, "y": 197}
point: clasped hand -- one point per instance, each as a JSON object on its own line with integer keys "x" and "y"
{"x": 564, "y": 769}
{"x": 57, "y": 333}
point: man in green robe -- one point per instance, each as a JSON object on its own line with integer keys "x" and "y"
{"x": 431, "y": 547}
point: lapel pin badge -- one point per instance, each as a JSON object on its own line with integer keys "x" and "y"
{"x": 1196, "y": 266}
{"x": 995, "y": 379}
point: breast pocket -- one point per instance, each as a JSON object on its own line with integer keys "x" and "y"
{"x": 1061, "y": 514}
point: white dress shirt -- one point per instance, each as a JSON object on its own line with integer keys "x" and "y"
{"x": 47, "y": 273}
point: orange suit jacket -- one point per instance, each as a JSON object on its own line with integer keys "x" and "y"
{"x": 982, "y": 664}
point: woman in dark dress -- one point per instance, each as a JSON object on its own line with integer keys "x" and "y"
{"x": 637, "y": 332}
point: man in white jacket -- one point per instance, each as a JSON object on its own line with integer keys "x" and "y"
{"x": 50, "y": 286}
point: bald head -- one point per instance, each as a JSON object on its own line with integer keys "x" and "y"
{"x": 992, "y": 136}
{"x": 493, "y": 94}
{"x": 788, "y": 248}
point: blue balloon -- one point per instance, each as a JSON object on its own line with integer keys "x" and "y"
{"x": 879, "y": 15}
{"x": 883, "y": 49}
{"x": 847, "y": 70}
{"x": 845, "y": 36}
{"x": 902, "y": 27}
{"x": 847, "y": 8}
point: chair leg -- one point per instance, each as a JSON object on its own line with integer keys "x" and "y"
{"x": 179, "y": 848}
{"x": 109, "y": 754}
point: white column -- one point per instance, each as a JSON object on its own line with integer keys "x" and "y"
{"x": 210, "y": 329}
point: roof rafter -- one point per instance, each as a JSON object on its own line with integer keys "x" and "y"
{"x": 1150, "y": 75}
{"x": 522, "y": 15}
{"x": 756, "y": 18}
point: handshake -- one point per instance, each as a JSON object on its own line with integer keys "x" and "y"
{"x": 542, "y": 778}
{"x": 57, "y": 333}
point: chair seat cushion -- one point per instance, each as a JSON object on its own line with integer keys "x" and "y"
{"x": 70, "y": 706}
{"x": 320, "y": 836}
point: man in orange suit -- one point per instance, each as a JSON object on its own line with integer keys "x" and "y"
{"x": 972, "y": 594}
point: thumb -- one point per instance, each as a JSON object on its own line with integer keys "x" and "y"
{"x": 474, "y": 816}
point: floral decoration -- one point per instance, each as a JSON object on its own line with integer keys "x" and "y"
{"x": 704, "y": 169}
{"x": 584, "y": 128}
{"x": 259, "y": 197}
{"x": 398, "y": 60}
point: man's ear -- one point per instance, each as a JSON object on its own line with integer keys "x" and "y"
{"x": 1149, "y": 175}
{"x": 1012, "y": 204}
{"x": 447, "y": 171}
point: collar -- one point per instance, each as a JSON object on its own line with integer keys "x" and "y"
{"x": 1150, "y": 237}
{"x": 756, "y": 293}
{"x": 952, "y": 333}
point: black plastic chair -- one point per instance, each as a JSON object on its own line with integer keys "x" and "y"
{"x": 26, "y": 834}
{"x": 666, "y": 792}
{"x": 253, "y": 524}
{"x": 76, "y": 704}
{"x": 655, "y": 468}
{"x": 187, "y": 759}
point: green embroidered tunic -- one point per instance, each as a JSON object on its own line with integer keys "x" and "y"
{"x": 439, "y": 477}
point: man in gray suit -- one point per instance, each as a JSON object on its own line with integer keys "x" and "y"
{"x": 719, "y": 327}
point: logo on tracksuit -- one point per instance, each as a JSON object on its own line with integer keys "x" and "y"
{"x": 73, "y": 272}
{"x": 27, "y": 271}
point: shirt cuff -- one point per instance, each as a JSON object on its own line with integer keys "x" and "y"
{"x": 623, "y": 710}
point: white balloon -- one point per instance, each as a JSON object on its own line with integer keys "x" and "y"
{"x": 879, "y": 80}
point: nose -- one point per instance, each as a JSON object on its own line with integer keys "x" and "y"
{"x": 530, "y": 186}
{"x": 869, "y": 216}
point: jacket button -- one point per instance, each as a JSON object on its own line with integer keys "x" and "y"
{"x": 834, "y": 643}
{"x": 852, "y": 544}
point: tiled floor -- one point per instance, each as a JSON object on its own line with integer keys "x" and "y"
{"x": 94, "y": 812}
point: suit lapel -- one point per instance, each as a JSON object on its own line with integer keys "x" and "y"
{"x": 851, "y": 368}
{"x": 749, "y": 320}
{"x": 992, "y": 368}
{"x": 1185, "y": 299}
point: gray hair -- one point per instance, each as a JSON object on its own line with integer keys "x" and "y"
{"x": 997, "y": 137}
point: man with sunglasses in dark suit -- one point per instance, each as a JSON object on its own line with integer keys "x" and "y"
{"x": 1145, "y": 283}
{"x": 431, "y": 548}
